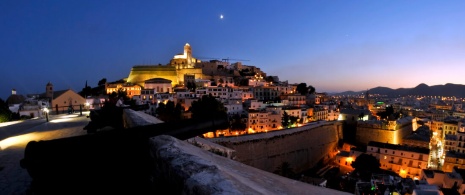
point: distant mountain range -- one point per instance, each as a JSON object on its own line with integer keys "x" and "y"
{"x": 447, "y": 90}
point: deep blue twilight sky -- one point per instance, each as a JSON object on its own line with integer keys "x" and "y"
{"x": 332, "y": 45}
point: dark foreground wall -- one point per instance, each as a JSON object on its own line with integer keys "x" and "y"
{"x": 181, "y": 168}
{"x": 301, "y": 147}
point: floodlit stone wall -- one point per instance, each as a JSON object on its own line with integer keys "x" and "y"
{"x": 301, "y": 147}
{"x": 179, "y": 167}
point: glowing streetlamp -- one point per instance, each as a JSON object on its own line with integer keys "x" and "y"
{"x": 46, "y": 113}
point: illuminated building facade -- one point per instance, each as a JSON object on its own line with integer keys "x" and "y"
{"x": 407, "y": 161}
{"x": 181, "y": 65}
{"x": 131, "y": 89}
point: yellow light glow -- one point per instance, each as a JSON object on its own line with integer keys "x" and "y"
{"x": 61, "y": 120}
{"x": 349, "y": 159}
{"x": 9, "y": 123}
{"x": 17, "y": 140}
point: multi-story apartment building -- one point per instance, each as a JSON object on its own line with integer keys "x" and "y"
{"x": 296, "y": 112}
{"x": 160, "y": 85}
{"x": 147, "y": 96}
{"x": 294, "y": 99}
{"x": 453, "y": 159}
{"x": 264, "y": 93}
{"x": 275, "y": 117}
{"x": 420, "y": 138}
{"x": 439, "y": 115}
{"x": 258, "y": 121}
{"x": 458, "y": 114}
{"x": 234, "y": 106}
{"x": 284, "y": 89}
{"x": 320, "y": 114}
{"x": 454, "y": 147}
{"x": 185, "y": 94}
{"x": 131, "y": 89}
{"x": 450, "y": 127}
{"x": 220, "y": 92}
{"x": 199, "y": 92}
{"x": 407, "y": 161}
{"x": 256, "y": 105}
{"x": 437, "y": 127}
{"x": 450, "y": 142}
{"x": 333, "y": 115}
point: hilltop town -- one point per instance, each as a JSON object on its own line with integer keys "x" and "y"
{"x": 421, "y": 139}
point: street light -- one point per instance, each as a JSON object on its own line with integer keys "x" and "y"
{"x": 46, "y": 113}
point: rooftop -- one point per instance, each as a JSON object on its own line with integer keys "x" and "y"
{"x": 399, "y": 147}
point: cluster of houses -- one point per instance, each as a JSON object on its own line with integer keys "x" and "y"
{"x": 425, "y": 148}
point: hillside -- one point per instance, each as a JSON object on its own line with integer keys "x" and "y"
{"x": 448, "y": 89}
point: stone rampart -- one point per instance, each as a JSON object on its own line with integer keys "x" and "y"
{"x": 367, "y": 134}
{"x": 301, "y": 147}
{"x": 179, "y": 167}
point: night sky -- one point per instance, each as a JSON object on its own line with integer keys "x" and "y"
{"x": 333, "y": 45}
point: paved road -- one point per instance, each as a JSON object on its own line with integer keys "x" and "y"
{"x": 14, "y": 138}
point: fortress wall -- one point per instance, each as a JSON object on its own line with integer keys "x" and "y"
{"x": 301, "y": 147}
{"x": 364, "y": 135}
{"x": 140, "y": 74}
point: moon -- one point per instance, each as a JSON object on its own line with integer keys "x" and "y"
{"x": 221, "y": 16}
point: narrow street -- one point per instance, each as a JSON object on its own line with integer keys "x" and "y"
{"x": 436, "y": 153}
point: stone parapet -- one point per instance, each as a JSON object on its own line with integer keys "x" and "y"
{"x": 132, "y": 118}
{"x": 181, "y": 168}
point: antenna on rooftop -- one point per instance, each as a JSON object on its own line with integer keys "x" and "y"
{"x": 227, "y": 59}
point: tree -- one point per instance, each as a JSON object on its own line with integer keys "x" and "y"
{"x": 293, "y": 120}
{"x": 360, "y": 116}
{"x": 365, "y": 165}
{"x": 302, "y": 88}
{"x": 86, "y": 91}
{"x": 269, "y": 79}
{"x": 207, "y": 107}
{"x": 213, "y": 82}
{"x": 237, "y": 123}
{"x": 123, "y": 93}
{"x": 311, "y": 89}
{"x": 286, "y": 121}
{"x": 161, "y": 110}
{"x": 244, "y": 82}
{"x": 102, "y": 82}
{"x": 169, "y": 111}
{"x": 5, "y": 112}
